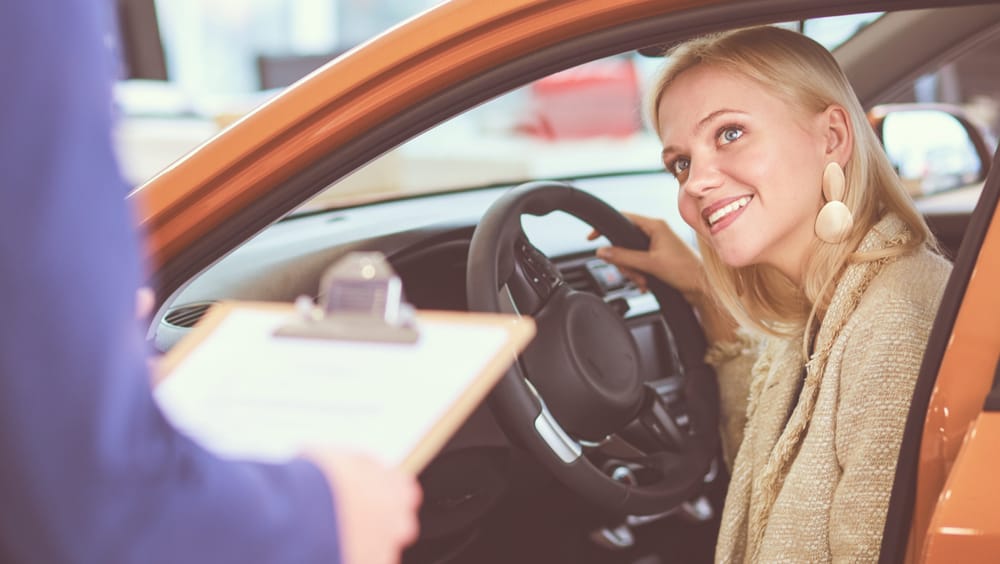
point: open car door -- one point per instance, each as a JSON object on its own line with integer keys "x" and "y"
{"x": 944, "y": 499}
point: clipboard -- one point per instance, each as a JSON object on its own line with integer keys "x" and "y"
{"x": 242, "y": 392}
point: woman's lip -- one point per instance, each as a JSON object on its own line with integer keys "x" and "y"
{"x": 721, "y": 204}
{"x": 728, "y": 219}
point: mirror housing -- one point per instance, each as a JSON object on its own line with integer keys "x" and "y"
{"x": 934, "y": 147}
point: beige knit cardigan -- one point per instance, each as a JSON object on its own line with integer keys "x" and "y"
{"x": 814, "y": 468}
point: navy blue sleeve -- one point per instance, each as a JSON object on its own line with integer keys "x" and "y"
{"x": 90, "y": 471}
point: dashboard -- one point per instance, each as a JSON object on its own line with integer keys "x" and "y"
{"x": 426, "y": 239}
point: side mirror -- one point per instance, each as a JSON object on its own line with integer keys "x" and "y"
{"x": 934, "y": 147}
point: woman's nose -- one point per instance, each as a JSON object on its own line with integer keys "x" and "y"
{"x": 703, "y": 176}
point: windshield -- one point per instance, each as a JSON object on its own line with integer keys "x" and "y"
{"x": 223, "y": 58}
{"x": 582, "y": 122}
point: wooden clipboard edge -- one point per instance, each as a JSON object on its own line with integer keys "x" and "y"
{"x": 520, "y": 331}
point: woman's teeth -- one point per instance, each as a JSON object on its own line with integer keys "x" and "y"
{"x": 729, "y": 208}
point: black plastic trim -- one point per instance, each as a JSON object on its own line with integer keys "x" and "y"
{"x": 896, "y": 533}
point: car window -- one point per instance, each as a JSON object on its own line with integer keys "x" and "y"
{"x": 833, "y": 31}
{"x": 192, "y": 67}
{"x": 968, "y": 81}
{"x": 937, "y": 150}
{"x": 931, "y": 150}
{"x": 582, "y": 122}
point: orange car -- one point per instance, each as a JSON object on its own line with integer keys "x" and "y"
{"x": 364, "y": 154}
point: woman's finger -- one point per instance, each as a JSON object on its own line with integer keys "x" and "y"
{"x": 620, "y": 256}
{"x": 145, "y": 300}
{"x": 647, "y": 224}
{"x": 637, "y": 278}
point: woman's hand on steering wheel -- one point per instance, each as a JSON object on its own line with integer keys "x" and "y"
{"x": 669, "y": 258}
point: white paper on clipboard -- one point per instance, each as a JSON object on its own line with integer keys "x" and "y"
{"x": 244, "y": 393}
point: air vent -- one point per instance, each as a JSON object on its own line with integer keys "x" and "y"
{"x": 578, "y": 278}
{"x": 187, "y": 315}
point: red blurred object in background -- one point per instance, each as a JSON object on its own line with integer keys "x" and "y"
{"x": 597, "y": 99}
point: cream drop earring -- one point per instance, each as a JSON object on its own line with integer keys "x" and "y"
{"x": 835, "y": 219}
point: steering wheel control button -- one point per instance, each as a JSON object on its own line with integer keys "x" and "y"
{"x": 538, "y": 269}
{"x": 540, "y": 277}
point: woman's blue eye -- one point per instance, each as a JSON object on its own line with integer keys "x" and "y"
{"x": 729, "y": 134}
{"x": 679, "y": 166}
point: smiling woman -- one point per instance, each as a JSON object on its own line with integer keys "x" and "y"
{"x": 760, "y": 126}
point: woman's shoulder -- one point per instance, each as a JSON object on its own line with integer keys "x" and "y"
{"x": 888, "y": 331}
{"x": 901, "y": 302}
{"x": 918, "y": 277}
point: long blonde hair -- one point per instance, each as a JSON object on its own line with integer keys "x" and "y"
{"x": 802, "y": 72}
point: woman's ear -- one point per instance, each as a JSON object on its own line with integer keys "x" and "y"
{"x": 838, "y": 134}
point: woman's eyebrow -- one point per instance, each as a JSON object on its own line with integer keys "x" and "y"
{"x": 705, "y": 120}
{"x": 669, "y": 149}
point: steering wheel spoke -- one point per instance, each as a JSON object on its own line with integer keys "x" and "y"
{"x": 660, "y": 425}
{"x": 615, "y": 446}
{"x": 558, "y": 440}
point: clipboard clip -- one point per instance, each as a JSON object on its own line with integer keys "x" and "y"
{"x": 360, "y": 299}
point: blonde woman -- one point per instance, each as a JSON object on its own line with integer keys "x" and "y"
{"x": 817, "y": 285}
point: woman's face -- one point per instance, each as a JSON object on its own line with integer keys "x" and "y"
{"x": 750, "y": 167}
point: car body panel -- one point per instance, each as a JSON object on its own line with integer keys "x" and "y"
{"x": 966, "y": 523}
{"x": 964, "y": 378}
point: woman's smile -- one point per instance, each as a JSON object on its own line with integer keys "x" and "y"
{"x": 723, "y": 213}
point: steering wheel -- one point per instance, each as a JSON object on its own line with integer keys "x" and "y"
{"x": 576, "y": 398}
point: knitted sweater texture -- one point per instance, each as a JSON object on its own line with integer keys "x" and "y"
{"x": 817, "y": 447}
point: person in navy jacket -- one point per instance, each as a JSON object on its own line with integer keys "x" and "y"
{"x": 90, "y": 470}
